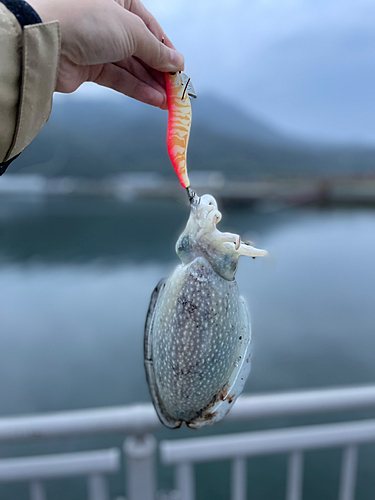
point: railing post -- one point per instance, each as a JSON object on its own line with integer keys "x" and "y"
{"x": 185, "y": 481}
{"x": 238, "y": 479}
{"x": 295, "y": 476}
{"x": 37, "y": 491}
{"x": 140, "y": 467}
{"x": 97, "y": 487}
{"x": 348, "y": 473}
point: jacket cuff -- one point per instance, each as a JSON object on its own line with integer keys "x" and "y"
{"x": 23, "y": 12}
{"x": 29, "y": 101}
{"x": 40, "y": 59}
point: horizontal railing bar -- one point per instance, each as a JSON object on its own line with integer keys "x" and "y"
{"x": 265, "y": 442}
{"x": 62, "y": 465}
{"x": 134, "y": 419}
{"x": 141, "y": 418}
{"x": 302, "y": 402}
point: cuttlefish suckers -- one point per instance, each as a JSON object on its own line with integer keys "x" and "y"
{"x": 179, "y": 91}
{"x": 197, "y": 333}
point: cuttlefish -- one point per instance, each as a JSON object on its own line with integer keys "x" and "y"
{"x": 197, "y": 334}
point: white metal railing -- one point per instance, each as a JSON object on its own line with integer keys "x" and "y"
{"x": 183, "y": 453}
{"x": 132, "y": 419}
{"x": 141, "y": 418}
{"x": 93, "y": 464}
{"x": 139, "y": 421}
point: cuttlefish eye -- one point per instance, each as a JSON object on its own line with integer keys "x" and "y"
{"x": 209, "y": 200}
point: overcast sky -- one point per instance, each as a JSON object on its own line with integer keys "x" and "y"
{"x": 306, "y": 66}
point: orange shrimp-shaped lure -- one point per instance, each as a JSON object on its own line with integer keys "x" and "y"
{"x": 179, "y": 91}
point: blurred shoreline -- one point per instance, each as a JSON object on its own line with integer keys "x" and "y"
{"x": 354, "y": 190}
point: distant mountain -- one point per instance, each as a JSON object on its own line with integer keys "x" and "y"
{"x": 96, "y": 139}
{"x": 223, "y": 118}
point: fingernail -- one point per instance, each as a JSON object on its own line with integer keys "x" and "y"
{"x": 177, "y": 59}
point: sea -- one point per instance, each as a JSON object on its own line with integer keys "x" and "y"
{"x": 76, "y": 276}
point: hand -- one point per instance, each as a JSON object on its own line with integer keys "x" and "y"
{"x": 115, "y": 43}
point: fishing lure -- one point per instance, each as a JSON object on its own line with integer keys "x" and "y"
{"x": 197, "y": 333}
{"x": 179, "y": 91}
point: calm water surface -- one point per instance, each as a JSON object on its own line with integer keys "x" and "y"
{"x": 76, "y": 276}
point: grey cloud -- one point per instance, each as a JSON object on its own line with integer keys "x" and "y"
{"x": 307, "y": 66}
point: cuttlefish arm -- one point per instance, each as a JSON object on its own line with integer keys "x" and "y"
{"x": 232, "y": 243}
{"x": 212, "y": 243}
{"x": 250, "y": 251}
{"x": 229, "y": 238}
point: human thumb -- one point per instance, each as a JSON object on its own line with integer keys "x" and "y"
{"x": 149, "y": 49}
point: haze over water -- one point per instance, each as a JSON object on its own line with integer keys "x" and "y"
{"x": 76, "y": 277}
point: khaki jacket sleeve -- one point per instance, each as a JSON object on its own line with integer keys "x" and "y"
{"x": 28, "y": 69}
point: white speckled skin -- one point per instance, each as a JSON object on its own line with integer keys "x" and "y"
{"x": 197, "y": 336}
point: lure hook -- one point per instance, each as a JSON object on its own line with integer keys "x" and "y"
{"x": 194, "y": 199}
